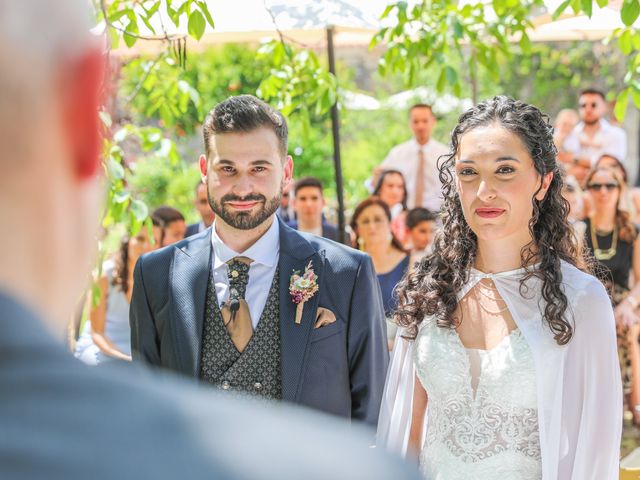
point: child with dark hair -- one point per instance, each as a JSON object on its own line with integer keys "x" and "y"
{"x": 421, "y": 228}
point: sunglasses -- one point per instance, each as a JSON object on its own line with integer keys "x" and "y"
{"x": 599, "y": 186}
{"x": 585, "y": 105}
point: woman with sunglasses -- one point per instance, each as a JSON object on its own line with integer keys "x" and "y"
{"x": 505, "y": 366}
{"x": 613, "y": 239}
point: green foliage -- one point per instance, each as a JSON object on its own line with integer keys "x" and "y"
{"x": 449, "y": 37}
{"x": 628, "y": 43}
{"x": 298, "y": 85}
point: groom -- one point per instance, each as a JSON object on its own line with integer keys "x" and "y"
{"x": 251, "y": 305}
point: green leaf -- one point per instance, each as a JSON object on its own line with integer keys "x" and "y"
{"x": 197, "y": 24}
{"x": 115, "y": 169}
{"x": 129, "y": 40}
{"x": 602, "y": 3}
{"x": 621, "y": 104}
{"x": 561, "y": 8}
{"x": 630, "y": 11}
{"x": 587, "y": 7}
{"x": 625, "y": 42}
{"x": 451, "y": 74}
{"x": 140, "y": 210}
{"x": 442, "y": 81}
{"x": 205, "y": 10}
{"x": 121, "y": 197}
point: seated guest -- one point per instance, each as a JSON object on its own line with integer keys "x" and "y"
{"x": 308, "y": 202}
{"x": 391, "y": 188}
{"x": 168, "y": 226}
{"x": 371, "y": 223}
{"x": 421, "y": 228}
{"x": 107, "y": 336}
{"x": 631, "y": 202}
{"x": 204, "y": 209}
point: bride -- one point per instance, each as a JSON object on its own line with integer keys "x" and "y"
{"x": 508, "y": 343}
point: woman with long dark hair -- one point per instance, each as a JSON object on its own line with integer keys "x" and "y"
{"x": 507, "y": 341}
{"x": 106, "y": 335}
{"x": 392, "y": 190}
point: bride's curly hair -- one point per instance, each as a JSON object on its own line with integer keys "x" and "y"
{"x": 432, "y": 288}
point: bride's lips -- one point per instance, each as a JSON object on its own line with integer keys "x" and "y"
{"x": 243, "y": 205}
{"x": 489, "y": 212}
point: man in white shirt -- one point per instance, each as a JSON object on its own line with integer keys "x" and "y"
{"x": 417, "y": 159}
{"x": 252, "y": 306}
{"x": 593, "y": 136}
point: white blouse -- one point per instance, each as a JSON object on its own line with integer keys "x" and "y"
{"x": 578, "y": 387}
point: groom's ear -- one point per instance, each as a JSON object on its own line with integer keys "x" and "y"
{"x": 287, "y": 171}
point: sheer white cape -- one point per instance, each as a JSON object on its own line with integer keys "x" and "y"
{"x": 578, "y": 385}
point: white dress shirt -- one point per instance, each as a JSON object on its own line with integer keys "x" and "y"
{"x": 608, "y": 140}
{"x": 264, "y": 253}
{"x": 404, "y": 157}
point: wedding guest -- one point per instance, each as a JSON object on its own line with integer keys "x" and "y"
{"x": 565, "y": 122}
{"x": 168, "y": 226}
{"x": 631, "y": 199}
{"x": 106, "y": 335}
{"x": 417, "y": 159}
{"x": 371, "y": 223}
{"x": 61, "y": 419}
{"x": 207, "y": 216}
{"x": 421, "y": 229}
{"x": 613, "y": 239}
{"x": 392, "y": 190}
{"x": 593, "y": 136}
{"x": 506, "y": 358}
{"x": 308, "y": 203}
{"x": 574, "y": 195}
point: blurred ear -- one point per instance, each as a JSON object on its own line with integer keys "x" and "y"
{"x": 203, "y": 167}
{"x": 84, "y": 79}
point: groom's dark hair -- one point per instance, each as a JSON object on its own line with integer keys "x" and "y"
{"x": 244, "y": 113}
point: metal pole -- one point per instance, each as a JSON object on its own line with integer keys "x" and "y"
{"x": 335, "y": 129}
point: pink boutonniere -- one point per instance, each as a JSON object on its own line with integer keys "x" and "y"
{"x": 302, "y": 288}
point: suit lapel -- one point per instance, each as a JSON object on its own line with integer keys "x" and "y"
{"x": 188, "y": 287}
{"x": 295, "y": 254}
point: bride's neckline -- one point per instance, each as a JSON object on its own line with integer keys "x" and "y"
{"x": 506, "y": 273}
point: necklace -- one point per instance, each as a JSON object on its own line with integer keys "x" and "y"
{"x": 603, "y": 254}
{"x": 489, "y": 311}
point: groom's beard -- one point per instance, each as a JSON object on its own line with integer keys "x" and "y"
{"x": 245, "y": 220}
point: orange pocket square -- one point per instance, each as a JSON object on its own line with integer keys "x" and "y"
{"x": 324, "y": 317}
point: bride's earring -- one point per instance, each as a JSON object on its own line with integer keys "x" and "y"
{"x": 361, "y": 243}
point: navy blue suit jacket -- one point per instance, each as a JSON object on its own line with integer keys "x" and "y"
{"x": 339, "y": 368}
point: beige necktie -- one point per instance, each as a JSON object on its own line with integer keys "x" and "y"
{"x": 419, "y": 193}
{"x": 235, "y": 312}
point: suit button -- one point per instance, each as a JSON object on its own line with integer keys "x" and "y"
{"x": 257, "y": 386}
{"x": 225, "y": 385}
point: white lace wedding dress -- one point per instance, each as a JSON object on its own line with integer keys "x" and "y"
{"x": 538, "y": 409}
{"x": 482, "y": 408}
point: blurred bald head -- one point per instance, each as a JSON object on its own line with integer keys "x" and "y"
{"x": 38, "y": 38}
{"x": 51, "y": 72}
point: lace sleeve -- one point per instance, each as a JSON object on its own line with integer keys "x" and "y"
{"x": 394, "y": 422}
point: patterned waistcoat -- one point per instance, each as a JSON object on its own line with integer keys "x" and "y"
{"x": 255, "y": 371}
